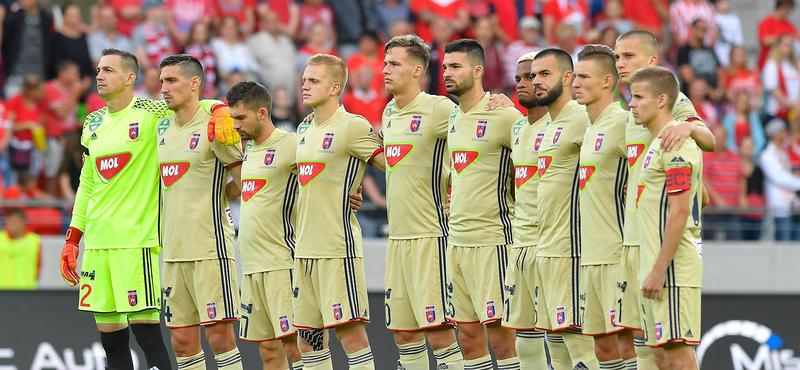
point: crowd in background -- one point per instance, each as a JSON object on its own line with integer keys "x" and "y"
{"x": 50, "y": 50}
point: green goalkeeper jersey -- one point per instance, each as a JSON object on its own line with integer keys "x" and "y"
{"x": 117, "y": 204}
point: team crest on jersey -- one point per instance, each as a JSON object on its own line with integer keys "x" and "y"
{"x": 327, "y": 141}
{"x": 639, "y": 192}
{"x": 211, "y": 310}
{"x": 171, "y": 172}
{"x": 524, "y": 173}
{"x": 415, "y": 122}
{"x": 585, "y": 174}
{"x": 560, "y": 315}
{"x": 634, "y": 152}
{"x": 133, "y": 298}
{"x": 647, "y": 159}
{"x": 430, "y": 314}
{"x": 269, "y": 157}
{"x": 284, "y": 320}
{"x": 462, "y": 159}
{"x": 194, "y": 141}
{"x": 337, "y": 311}
{"x": 95, "y": 122}
{"x": 659, "y": 331}
{"x": 614, "y": 318}
{"x": 133, "y": 130}
{"x": 598, "y": 143}
{"x": 490, "y": 311}
{"x": 163, "y": 126}
{"x": 251, "y": 187}
{"x": 481, "y": 130}
{"x": 557, "y": 135}
{"x": 396, "y": 153}
{"x": 538, "y": 143}
{"x": 109, "y": 166}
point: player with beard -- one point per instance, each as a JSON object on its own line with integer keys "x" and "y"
{"x": 480, "y": 210}
{"x": 559, "y": 244}
{"x": 635, "y": 50}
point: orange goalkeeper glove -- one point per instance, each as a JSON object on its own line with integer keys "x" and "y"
{"x": 69, "y": 256}
{"x": 221, "y": 126}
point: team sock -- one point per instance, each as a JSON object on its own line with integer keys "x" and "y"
{"x": 318, "y": 360}
{"x": 413, "y": 356}
{"x": 581, "y": 349}
{"x": 449, "y": 357}
{"x": 483, "y": 363}
{"x": 230, "y": 360}
{"x": 508, "y": 364}
{"x": 152, "y": 343}
{"x": 118, "y": 352}
{"x": 618, "y": 364}
{"x": 196, "y": 362}
{"x": 559, "y": 355}
{"x": 645, "y": 358}
{"x": 361, "y": 359}
{"x": 530, "y": 349}
{"x": 297, "y": 365}
{"x": 630, "y": 364}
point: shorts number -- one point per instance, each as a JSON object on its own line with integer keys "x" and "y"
{"x": 507, "y": 303}
{"x": 388, "y": 314}
{"x": 88, "y": 291}
{"x": 619, "y": 311}
{"x": 244, "y": 324}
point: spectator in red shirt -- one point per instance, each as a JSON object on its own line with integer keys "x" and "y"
{"x": 370, "y": 56}
{"x": 129, "y": 14}
{"x": 558, "y": 12}
{"x": 25, "y": 189}
{"x": 182, "y": 14}
{"x": 363, "y": 99}
{"x": 648, "y": 15}
{"x": 495, "y": 11}
{"x": 200, "y": 48}
{"x": 442, "y": 35}
{"x": 24, "y": 111}
{"x": 494, "y": 73}
{"x": 312, "y": 12}
{"x": 242, "y": 10}
{"x": 61, "y": 106}
{"x": 744, "y": 123}
{"x": 320, "y": 41}
{"x": 727, "y": 187}
{"x": 454, "y": 12}
{"x": 151, "y": 37}
{"x": 738, "y": 78}
{"x": 754, "y": 176}
{"x": 288, "y": 12}
{"x": 684, "y": 13}
{"x": 530, "y": 39}
{"x": 774, "y": 26}
{"x": 698, "y": 95}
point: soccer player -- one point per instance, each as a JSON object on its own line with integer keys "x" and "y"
{"x": 526, "y": 137}
{"x": 559, "y": 245}
{"x": 329, "y": 284}
{"x": 480, "y": 210}
{"x": 414, "y": 131}
{"x": 196, "y": 226}
{"x": 635, "y": 50}
{"x": 602, "y": 177}
{"x": 668, "y": 208}
{"x": 117, "y": 206}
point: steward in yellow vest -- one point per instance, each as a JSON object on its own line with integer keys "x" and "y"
{"x": 19, "y": 254}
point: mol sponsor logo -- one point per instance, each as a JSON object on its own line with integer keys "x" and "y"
{"x": 308, "y": 171}
{"x": 524, "y": 173}
{"x": 543, "y": 164}
{"x": 585, "y": 174}
{"x": 251, "y": 187}
{"x": 111, "y": 165}
{"x": 463, "y": 158}
{"x": 635, "y": 151}
{"x": 396, "y": 153}
{"x": 171, "y": 172}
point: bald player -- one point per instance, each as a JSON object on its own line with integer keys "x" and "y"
{"x": 526, "y": 137}
{"x": 635, "y": 50}
{"x": 603, "y": 174}
{"x": 559, "y": 244}
{"x": 668, "y": 210}
{"x": 480, "y": 210}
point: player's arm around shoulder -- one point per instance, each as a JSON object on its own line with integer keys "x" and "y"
{"x": 510, "y": 116}
{"x": 363, "y": 142}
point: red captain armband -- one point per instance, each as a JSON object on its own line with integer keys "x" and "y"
{"x": 678, "y": 180}
{"x": 374, "y": 154}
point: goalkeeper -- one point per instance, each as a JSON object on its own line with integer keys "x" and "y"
{"x": 117, "y": 206}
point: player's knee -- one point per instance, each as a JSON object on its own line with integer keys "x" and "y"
{"x": 353, "y": 336}
{"x": 270, "y": 351}
{"x": 503, "y": 342}
{"x": 627, "y": 349}
{"x": 221, "y": 337}
{"x": 406, "y": 337}
{"x": 441, "y": 337}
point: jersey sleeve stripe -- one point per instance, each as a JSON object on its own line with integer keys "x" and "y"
{"x": 436, "y": 183}
{"x": 219, "y": 232}
{"x": 288, "y": 208}
{"x": 502, "y": 190}
{"x": 234, "y": 164}
{"x": 619, "y": 193}
{"x": 349, "y": 180}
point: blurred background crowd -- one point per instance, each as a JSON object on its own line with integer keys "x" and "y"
{"x": 747, "y": 94}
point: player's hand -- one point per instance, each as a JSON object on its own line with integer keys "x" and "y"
{"x": 355, "y": 200}
{"x": 221, "y": 126}
{"x": 69, "y": 257}
{"x": 498, "y": 101}
{"x": 653, "y": 284}
{"x": 674, "y": 136}
{"x": 446, "y": 208}
{"x": 309, "y": 118}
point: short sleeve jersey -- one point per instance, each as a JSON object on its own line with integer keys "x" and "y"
{"x": 602, "y": 178}
{"x": 665, "y": 174}
{"x": 639, "y": 138}
{"x": 417, "y": 167}
{"x": 196, "y": 222}
{"x": 559, "y": 157}
{"x": 331, "y": 159}
{"x": 526, "y": 139}
{"x": 269, "y": 191}
{"x": 123, "y": 208}
{"x": 482, "y": 198}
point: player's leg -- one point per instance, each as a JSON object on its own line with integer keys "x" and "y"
{"x": 345, "y": 290}
{"x": 503, "y": 343}
{"x": 489, "y": 286}
{"x": 353, "y": 337}
{"x": 563, "y": 295}
{"x": 307, "y": 315}
{"x": 413, "y": 350}
{"x": 446, "y": 350}
{"x": 146, "y": 327}
{"x": 474, "y": 342}
{"x": 292, "y": 352}
{"x": 631, "y": 340}
{"x": 472, "y": 336}
{"x": 182, "y": 316}
{"x": 559, "y": 354}
{"x": 273, "y": 355}
{"x": 598, "y": 290}
{"x": 216, "y": 290}
{"x": 681, "y": 356}
{"x": 677, "y": 318}
{"x": 519, "y": 305}
{"x": 659, "y": 358}
{"x": 222, "y": 339}
{"x": 115, "y": 338}
{"x": 627, "y": 349}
